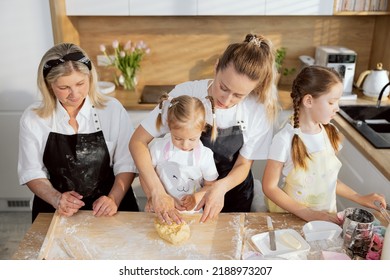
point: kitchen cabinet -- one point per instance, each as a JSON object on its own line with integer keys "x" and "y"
{"x": 361, "y": 7}
{"x": 299, "y": 7}
{"x": 163, "y": 8}
{"x": 231, "y": 7}
{"x": 97, "y": 8}
{"x": 360, "y": 174}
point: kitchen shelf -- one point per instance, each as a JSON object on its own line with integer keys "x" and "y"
{"x": 362, "y": 13}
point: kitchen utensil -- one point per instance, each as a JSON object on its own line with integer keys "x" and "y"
{"x": 271, "y": 231}
{"x": 319, "y": 230}
{"x": 383, "y": 210}
{"x": 106, "y": 87}
{"x": 373, "y": 81}
{"x": 357, "y": 231}
{"x": 289, "y": 243}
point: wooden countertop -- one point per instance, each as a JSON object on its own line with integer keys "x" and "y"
{"x": 250, "y": 224}
{"x": 253, "y": 223}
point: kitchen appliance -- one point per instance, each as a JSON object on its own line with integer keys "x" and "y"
{"x": 358, "y": 228}
{"x": 373, "y": 82}
{"x": 341, "y": 59}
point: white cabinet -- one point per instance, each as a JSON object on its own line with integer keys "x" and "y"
{"x": 299, "y": 7}
{"x": 231, "y": 7}
{"x": 360, "y": 174}
{"x": 163, "y": 8}
{"x": 97, "y": 7}
{"x": 198, "y": 7}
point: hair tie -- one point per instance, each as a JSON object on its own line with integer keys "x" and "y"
{"x": 214, "y": 116}
{"x": 173, "y": 104}
{"x": 75, "y": 56}
{"x": 256, "y": 41}
{"x": 297, "y": 131}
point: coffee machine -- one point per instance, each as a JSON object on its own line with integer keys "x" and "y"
{"x": 343, "y": 60}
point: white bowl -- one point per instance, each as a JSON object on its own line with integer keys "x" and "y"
{"x": 318, "y": 230}
{"x": 106, "y": 87}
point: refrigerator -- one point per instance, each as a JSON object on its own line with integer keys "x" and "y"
{"x": 26, "y": 34}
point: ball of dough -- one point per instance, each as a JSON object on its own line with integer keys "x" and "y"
{"x": 173, "y": 233}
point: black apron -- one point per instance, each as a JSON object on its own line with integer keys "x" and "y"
{"x": 226, "y": 149}
{"x": 81, "y": 163}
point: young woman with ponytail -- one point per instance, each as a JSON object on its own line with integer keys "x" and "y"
{"x": 245, "y": 104}
{"x": 303, "y": 154}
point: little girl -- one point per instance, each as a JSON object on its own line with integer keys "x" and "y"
{"x": 183, "y": 164}
{"x": 303, "y": 153}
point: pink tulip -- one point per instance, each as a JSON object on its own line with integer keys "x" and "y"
{"x": 102, "y": 48}
{"x": 115, "y": 44}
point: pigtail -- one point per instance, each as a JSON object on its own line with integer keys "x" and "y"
{"x": 299, "y": 152}
{"x": 163, "y": 98}
{"x": 214, "y": 130}
{"x": 334, "y": 136}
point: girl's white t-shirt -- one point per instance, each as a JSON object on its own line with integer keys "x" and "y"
{"x": 280, "y": 149}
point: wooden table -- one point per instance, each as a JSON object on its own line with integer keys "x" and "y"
{"x": 253, "y": 223}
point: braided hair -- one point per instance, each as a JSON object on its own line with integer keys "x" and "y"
{"x": 316, "y": 81}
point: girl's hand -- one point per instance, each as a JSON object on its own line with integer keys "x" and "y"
{"x": 104, "y": 206}
{"x": 323, "y": 216}
{"x": 369, "y": 200}
{"x": 188, "y": 202}
{"x": 69, "y": 203}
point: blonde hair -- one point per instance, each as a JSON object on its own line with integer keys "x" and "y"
{"x": 185, "y": 110}
{"x": 66, "y": 68}
{"x": 255, "y": 58}
{"x": 316, "y": 81}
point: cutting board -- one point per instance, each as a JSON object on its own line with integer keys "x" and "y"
{"x": 131, "y": 235}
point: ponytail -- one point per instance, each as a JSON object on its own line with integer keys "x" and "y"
{"x": 163, "y": 98}
{"x": 214, "y": 130}
{"x": 333, "y": 135}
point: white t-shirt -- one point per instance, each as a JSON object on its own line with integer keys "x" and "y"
{"x": 34, "y": 131}
{"x": 281, "y": 146}
{"x": 258, "y": 133}
{"x": 206, "y": 160}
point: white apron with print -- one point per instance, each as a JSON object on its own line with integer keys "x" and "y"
{"x": 178, "y": 179}
{"x": 315, "y": 187}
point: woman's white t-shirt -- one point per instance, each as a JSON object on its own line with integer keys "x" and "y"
{"x": 34, "y": 131}
{"x": 258, "y": 133}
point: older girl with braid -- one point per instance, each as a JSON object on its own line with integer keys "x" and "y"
{"x": 184, "y": 166}
{"x": 303, "y": 154}
{"x": 245, "y": 106}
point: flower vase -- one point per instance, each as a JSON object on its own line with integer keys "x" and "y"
{"x": 128, "y": 83}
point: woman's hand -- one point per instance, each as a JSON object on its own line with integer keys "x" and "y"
{"x": 164, "y": 207}
{"x": 213, "y": 201}
{"x": 104, "y": 206}
{"x": 69, "y": 203}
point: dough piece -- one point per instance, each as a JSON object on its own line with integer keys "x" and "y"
{"x": 173, "y": 233}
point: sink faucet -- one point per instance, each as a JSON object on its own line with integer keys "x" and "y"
{"x": 378, "y": 103}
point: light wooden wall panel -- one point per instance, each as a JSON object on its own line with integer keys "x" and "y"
{"x": 186, "y": 48}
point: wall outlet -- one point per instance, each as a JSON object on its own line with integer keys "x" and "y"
{"x": 102, "y": 60}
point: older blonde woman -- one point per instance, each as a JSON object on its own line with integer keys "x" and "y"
{"x": 73, "y": 145}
